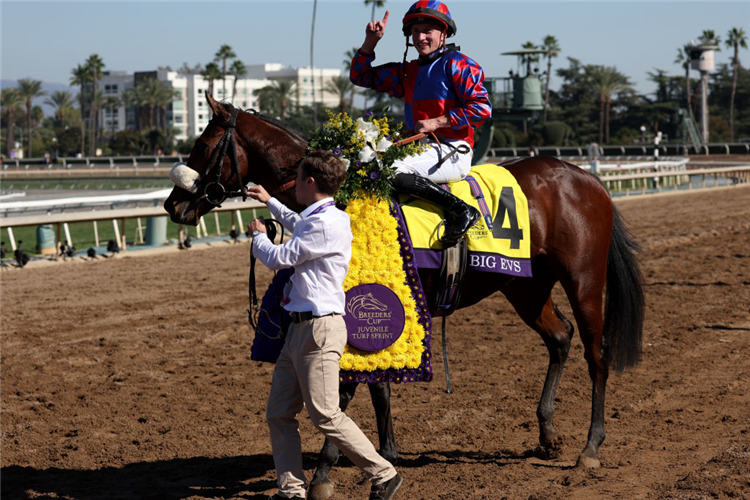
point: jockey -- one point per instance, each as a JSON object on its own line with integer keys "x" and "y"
{"x": 444, "y": 93}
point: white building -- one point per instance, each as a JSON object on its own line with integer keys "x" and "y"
{"x": 306, "y": 81}
{"x": 189, "y": 114}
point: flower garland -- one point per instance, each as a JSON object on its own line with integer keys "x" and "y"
{"x": 365, "y": 148}
{"x": 382, "y": 254}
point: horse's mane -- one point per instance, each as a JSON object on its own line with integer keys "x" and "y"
{"x": 291, "y": 129}
{"x": 301, "y": 134}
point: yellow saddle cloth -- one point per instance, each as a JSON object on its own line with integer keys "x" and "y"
{"x": 499, "y": 242}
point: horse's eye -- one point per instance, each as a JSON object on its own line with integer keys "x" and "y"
{"x": 202, "y": 146}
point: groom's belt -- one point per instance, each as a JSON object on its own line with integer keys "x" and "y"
{"x": 299, "y": 317}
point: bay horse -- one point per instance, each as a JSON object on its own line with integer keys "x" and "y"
{"x": 577, "y": 239}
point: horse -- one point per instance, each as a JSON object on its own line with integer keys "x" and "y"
{"x": 577, "y": 236}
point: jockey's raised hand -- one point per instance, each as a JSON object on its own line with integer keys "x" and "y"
{"x": 373, "y": 33}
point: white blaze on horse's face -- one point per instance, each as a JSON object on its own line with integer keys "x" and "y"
{"x": 185, "y": 177}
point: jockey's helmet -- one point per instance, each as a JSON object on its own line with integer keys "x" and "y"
{"x": 429, "y": 11}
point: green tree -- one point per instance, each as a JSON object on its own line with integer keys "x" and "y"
{"x": 12, "y": 106}
{"x": 683, "y": 59}
{"x": 552, "y": 47}
{"x": 210, "y": 73}
{"x": 239, "y": 71}
{"x": 95, "y": 65}
{"x": 274, "y": 99}
{"x": 185, "y": 69}
{"x": 605, "y": 81}
{"x": 340, "y": 86}
{"x": 375, "y": 3}
{"x": 30, "y": 89}
{"x": 82, "y": 77}
{"x": 225, "y": 52}
{"x": 736, "y": 38}
{"x": 62, "y": 101}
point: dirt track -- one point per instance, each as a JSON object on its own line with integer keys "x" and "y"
{"x": 131, "y": 378}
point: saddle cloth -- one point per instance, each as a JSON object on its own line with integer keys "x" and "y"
{"x": 498, "y": 243}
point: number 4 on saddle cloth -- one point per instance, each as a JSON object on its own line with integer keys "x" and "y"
{"x": 499, "y": 242}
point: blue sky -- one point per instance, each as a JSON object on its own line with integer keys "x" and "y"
{"x": 45, "y": 40}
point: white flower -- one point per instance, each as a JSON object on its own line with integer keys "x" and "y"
{"x": 346, "y": 162}
{"x": 383, "y": 145}
{"x": 368, "y": 129}
{"x": 367, "y": 154}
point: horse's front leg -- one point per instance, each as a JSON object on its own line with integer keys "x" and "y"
{"x": 381, "y": 401}
{"x": 321, "y": 486}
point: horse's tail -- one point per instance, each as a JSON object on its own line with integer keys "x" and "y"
{"x": 624, "y": 304}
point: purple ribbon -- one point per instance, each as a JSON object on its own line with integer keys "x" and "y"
{"x": 322, "y": 207}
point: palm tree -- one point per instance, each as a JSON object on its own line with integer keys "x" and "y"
{"x": 529, "y": 58}
{"x": 736, "y": 38}
{"x": 167, "y": 95}
{"x": 30, "y": 89}
{"x": 111, "y": 103}
{"x": 239, "y": 71}
{"x": 12, "y": 102}
{"x": 152, "y": 91}
{"x": 95, "y": 65}
{"x": 375, "y": 3}
{"x": 211, "y": 72}
{"x": 708, "y": 37}
{"x": 605, "y": 81}
{"x": 339, "y": 86}
{"x": 225, "y": 52}
{"x": 552, "y": 47}
{"x": 134, "y": 97}
{"x": 81, "y": 76}
{"x": 276, "y": 97}
{"x": 62, "y": 101}
{"x": 683, "y": 58}
{"x": 348, "y": 57}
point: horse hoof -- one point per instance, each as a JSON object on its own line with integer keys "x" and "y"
{"x": 585, "y": 462}
{"x": 321, "y": 491}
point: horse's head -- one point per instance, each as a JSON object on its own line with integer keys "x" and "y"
{"x": 235, "y": 148}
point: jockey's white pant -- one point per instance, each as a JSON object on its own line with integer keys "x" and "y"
{"x": 454, "y": 169}
{"x": 307, "y": 374}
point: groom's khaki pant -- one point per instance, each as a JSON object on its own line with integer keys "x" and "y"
{"x": 307, "y": 373}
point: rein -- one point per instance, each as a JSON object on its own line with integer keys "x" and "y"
{"x": 462, "y": 149}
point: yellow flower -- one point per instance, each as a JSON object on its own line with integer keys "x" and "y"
{"x": 376, "y": 258}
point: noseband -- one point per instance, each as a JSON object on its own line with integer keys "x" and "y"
{"x": 215, "y": 193}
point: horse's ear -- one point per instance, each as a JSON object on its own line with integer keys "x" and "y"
{"x": 218, "y": 108}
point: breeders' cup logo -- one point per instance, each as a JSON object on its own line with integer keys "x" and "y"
{"x": 375, "y": 317}
{"x": 364, "y": 303}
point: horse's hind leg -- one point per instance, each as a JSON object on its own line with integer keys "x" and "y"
{"x": 321, "y": 486}
{"x": 533, "y": 303}
{"x": 586, "y": 299}
{"x": 381, "y": 400}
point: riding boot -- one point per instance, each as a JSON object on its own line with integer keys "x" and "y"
{"x": 459, "y": 216}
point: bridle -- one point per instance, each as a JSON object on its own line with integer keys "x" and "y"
{"x": 214, "y": 192}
